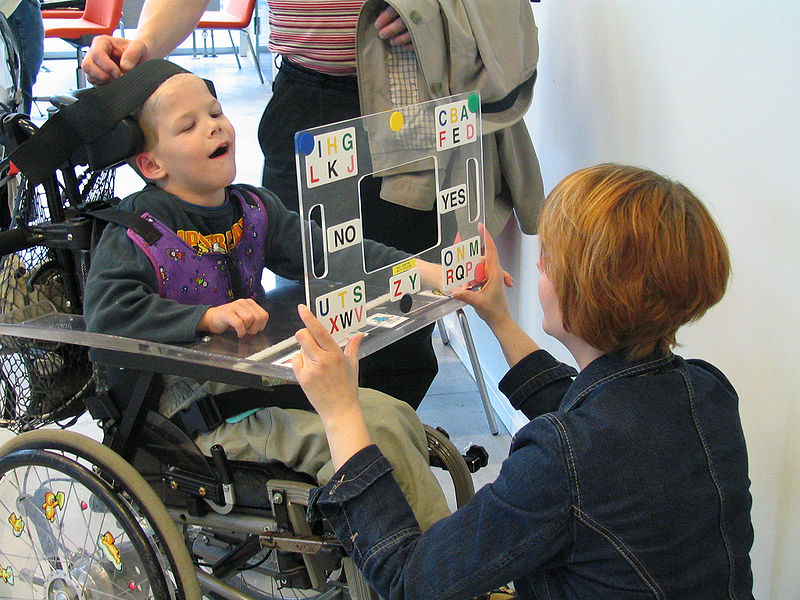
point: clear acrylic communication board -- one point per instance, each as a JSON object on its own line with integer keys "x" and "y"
{"x": 354, "y": 284}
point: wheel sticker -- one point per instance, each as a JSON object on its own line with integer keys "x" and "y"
{"x": 51, "y": 502}
{"x": 106, "y": 543}
{"x": 17, "y": 524}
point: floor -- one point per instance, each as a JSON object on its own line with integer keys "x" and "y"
{"x": 452, "y": 402}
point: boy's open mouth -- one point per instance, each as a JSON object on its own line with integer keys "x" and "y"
{"x": 223, "y": 149}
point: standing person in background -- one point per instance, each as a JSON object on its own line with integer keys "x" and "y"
{"x": 25, "y": 19}
{"x": 315, "y": 85}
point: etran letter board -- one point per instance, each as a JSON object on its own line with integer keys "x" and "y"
{"x": 436, "y": 147}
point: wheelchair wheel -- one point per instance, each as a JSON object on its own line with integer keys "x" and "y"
{"x": 453, "y": 462}
{"x": 109, "y": 536}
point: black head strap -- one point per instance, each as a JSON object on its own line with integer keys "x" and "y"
{"x": 98, "y": 122}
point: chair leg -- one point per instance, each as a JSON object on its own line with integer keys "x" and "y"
{"x": 443, "y": 332}
{"x": 254, "y": 52}
{"x": 476, "y": 369}
{"x": 79, "y": 74}
{"x": 235, "y": 50}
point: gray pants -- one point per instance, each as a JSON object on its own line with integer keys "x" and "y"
{"x": 296, "y": 438}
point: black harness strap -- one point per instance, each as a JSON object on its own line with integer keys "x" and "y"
{"x": 210, "y": 412}
{"x": 130, "y": 220}
{"x": 97, "y": 112}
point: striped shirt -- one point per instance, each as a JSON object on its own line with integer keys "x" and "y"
{"x": 317, "y": 34}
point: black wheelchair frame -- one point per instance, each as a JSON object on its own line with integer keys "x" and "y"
{"x": 156, "y": 512}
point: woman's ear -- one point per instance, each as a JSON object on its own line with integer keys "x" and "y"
{"x": 149, "y": 167}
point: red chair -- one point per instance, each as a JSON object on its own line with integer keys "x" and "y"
{"x": 62, "y": 10}
{"x": 100, "y": 17}
{"x": 237, "y": 16}
{"x": 62, "y": 13}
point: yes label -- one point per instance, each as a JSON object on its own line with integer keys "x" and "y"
{"x": 452, "y": 198}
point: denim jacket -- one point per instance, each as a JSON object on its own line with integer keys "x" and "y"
{"x": 630, "y": 482}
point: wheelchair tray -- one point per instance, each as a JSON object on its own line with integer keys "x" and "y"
{"x": 250, "y": 361}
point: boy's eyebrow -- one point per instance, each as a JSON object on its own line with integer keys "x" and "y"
{"x": 186, "y": 115}
{"x": 213, "y": 103}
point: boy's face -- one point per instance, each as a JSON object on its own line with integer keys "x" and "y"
{"x": 193, "y": 156}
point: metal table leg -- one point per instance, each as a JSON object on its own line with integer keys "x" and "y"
{"x": 476, "y": 369}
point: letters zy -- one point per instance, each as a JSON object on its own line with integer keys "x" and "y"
{"x": 333, "y": 158}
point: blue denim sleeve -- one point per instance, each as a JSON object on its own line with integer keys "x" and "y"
{"x": 512, "y": 527}
{"x": 537, "y": 383}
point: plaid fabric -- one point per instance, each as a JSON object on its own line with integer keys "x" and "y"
{"x": 403, "y": 76}
{"x": 418, "y": 129}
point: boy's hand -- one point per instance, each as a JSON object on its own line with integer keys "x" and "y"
{"x": 490, "y": 300}
{"x": 243, "y": 315}
{"x": 430, "y": 274}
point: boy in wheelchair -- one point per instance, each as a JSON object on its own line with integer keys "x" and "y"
{"x": 203, "y": 276}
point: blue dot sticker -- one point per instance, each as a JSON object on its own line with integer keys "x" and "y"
{"x": 305, "y": 143}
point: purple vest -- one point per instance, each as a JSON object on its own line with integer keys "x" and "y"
{"x": 192, "y": 276}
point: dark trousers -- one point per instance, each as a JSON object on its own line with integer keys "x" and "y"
{"x": 303, "y": 99}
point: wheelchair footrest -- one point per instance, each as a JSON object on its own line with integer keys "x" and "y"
{"x": 236, "y": 557}
{"x": 476, "y": 458}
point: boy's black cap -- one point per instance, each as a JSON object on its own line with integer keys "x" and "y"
{"x": 97, "y": 129}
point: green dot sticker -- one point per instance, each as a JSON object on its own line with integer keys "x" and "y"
{"x": 396, "y": 121}
{"x": 474, "y": 102}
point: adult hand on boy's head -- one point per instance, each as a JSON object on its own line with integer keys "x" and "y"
{"x": 490, "y": 300}
{"x": 108, "y": 58}
{"x": 328, "y": 376}
{"x": 245, "y": 316}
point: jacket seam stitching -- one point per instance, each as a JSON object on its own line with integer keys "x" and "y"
{"x": 617, "y": 374}
{"x": 531, "y": 382}
{"x": 393, "y": 539}
{"x": 712, "y": 472}
{"x": 622, "y": 550}
{"x": 573, "y": 470}
{"x": 343, "y": 479}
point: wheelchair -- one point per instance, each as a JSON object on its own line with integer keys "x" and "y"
{"x": 144, "y": 514}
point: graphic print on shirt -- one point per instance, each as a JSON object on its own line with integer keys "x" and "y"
{"x": 213, "y": 269}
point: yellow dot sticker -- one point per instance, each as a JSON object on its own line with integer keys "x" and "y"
{"x": 396, "y": 121}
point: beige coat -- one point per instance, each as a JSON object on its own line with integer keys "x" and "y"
{"x": 465, "y": 45}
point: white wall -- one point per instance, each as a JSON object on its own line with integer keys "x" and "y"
{"x": 707, "y": 93}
